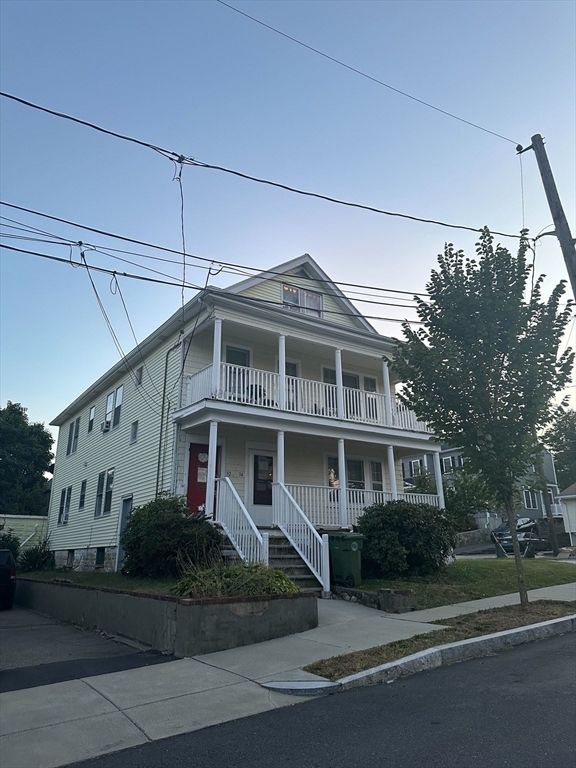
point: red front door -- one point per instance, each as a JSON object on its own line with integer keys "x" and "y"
{"x": 198, "y": 476}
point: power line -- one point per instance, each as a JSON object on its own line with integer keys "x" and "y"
{"x": 192, "y": 161}
{"x": 364, "y": 74}
{"x": 178, "y": 285}
{"x": 192, "y": 256}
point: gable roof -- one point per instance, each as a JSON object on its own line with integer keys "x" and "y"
{"x": 569, "y": 493}
{"x": 312, "y": 271}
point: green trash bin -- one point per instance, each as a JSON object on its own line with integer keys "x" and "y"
{"x": 345, "y": 557}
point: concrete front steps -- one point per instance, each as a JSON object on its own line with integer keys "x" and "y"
{"x": 282, "y": 555}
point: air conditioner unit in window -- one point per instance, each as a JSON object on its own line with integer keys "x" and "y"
{"x": 106, "y": 426}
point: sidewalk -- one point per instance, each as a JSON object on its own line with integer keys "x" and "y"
{"x": 54, "y": 725}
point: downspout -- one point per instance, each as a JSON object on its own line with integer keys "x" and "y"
{"x": 164, "y": 387}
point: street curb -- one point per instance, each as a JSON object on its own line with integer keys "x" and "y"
{"x": 462, "y": 650}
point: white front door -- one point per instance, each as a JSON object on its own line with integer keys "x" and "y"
{"x": 261, "y": 475}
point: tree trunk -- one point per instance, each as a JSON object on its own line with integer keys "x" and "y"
{"x": 548, "y": 508}
{"x": 510, "y": 512}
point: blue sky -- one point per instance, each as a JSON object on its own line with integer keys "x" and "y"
{"x": 197, "y": 78}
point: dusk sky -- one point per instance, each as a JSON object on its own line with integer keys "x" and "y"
{"x": 204, "y": 81}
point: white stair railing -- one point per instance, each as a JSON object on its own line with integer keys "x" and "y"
{"x": 300, "y": 532}
{"x": 232, "y": 515}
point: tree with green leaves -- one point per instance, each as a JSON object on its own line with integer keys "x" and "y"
{"x": 484, "y": 368}
{"x": 25, "y": 455}
{"x": 560, "y": 439}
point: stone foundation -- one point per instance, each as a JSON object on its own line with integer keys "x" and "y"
{"x": 388, "y": 600}
{"x": 85, "y": 559}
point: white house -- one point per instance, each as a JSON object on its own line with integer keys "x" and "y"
{"x": 269, "y": 405}
{"x": 568, "y": 508}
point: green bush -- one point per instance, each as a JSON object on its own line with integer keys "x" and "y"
{"x": 161, "y": 532}
{"x": 405, "y": 539}
{"x": 234, "y": 580}
{"x": 37, "y": 558}
{"x": 10, "y": 541}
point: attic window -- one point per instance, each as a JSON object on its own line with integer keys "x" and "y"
{"x": 301, "y": 300}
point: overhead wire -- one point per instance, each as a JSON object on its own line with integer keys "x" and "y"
{"x": 364, "y": 74}
{"x": 255, "y": 270}
{"x": 178, "y": 284}
{"x": 180, "y": 158}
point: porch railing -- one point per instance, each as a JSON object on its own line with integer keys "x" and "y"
{"x": 251, "y": 386}
{"x": 420, "y": 498}
{"x": 357, "y": 500}
{"x": 300, "y": 532}
{"x": 319, "y": 503}
{"x": 251, "y": 545}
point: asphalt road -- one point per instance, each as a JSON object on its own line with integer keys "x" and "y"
{"x": 513, "y": 710}
{"x": 38, "y": 650}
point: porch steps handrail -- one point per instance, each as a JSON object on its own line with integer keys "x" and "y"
{"x": 232, "y": 515}
{"x": 300, "y": 532}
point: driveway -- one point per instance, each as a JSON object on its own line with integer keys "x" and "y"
{"x": 38, "y": 650}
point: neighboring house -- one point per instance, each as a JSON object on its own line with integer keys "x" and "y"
{"x": 266, "y": 404}
{"x": 30, "y": 529}
{"x": 568, "y": 507}
{"x": 451, "y": 458}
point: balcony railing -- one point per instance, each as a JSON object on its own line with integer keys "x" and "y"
{"x": 250, "y": 386}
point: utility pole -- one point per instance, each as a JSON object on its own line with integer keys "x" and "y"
{"x": 558, "y": 216}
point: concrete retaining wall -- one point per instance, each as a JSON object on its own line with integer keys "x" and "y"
{"x": 181, "y": 626}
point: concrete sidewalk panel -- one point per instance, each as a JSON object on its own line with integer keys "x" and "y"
{"x": 359, "y": 635}
{"x": 135, "y": 687}
{"x": 200, "y": 710}
{"x": 271, "y": 657}
{"x": 48, "y": 705}
{"x": 69, "y": 742}
{"x": 339, "y": 611}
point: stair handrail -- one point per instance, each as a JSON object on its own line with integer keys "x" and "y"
{"x": 312, "y": 548}
{"x": 232, "y": 515}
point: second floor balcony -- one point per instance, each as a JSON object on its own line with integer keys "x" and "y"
{"x": 272, "y": 391}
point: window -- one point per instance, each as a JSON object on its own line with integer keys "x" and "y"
{"x": 354, "y": 473}
{"x": 73, "y": 437}
{"x": 100, "y": 555}
{"x": 530, "y": 501}
{"x": 301, "y": 300}
{"x": 134, "y": 432}
{"x": 138, "y": 375}
{"x": 376, "y": 476}
{"x": 448, "y": 463}
{"x": 237, "y": 356}
{"x": 82, "y": 496}
{"x": 104, "y": 493}
{"x": 113, "y": 407}
{"x": 91, "y": 416}
{"x": 64, "y": 511}
{"x": 70, "y": 559}
{"x": 369, "y": 384}
{"x": 416, "y": 467}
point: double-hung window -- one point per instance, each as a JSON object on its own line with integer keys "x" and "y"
{"x": 64, "y": 511}
{"x": 104, "y": 493}
{"x": 448, "y": 463}
{"x": 416, "y": 467}
{"x": 91, "y": 416}
{"x": 530, "y": 500}
{"x": 113, "y": 408}
{"x": 73, "y": 437}
{"x": 82, "y": 499}
{"x": 301, "y": 300}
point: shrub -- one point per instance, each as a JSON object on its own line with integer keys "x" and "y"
{"x": 234, "y": 580}
{"x": 159, "y": 532}
{"x": 403, "y": 539}
{"x": 10, "y": 541}
{"x": 37, "y": 558}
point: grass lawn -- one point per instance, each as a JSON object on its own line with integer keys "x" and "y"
{"x": 473, "y": 579}
{"x": 459, "y": 628}
{"x": 109, "y": 580}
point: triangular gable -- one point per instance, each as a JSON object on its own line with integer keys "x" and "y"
{"x": 304, "y": 272}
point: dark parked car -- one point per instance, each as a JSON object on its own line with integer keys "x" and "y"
{"x": 7, "y": 578}
{"x": 527, "y": 530}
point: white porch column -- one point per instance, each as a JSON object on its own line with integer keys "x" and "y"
{"x": 216, "y": 356}
{"x": 211, "y": 471}
{"x": 387, "y": 392}
{"x": 343, "y": 483}
{"x": 392, "y": 471}
{"x": 282, "y": 372}
{"x": 339, "y": 384}
{"x": 438, "y": 478}
{"x": 280, "y": 457}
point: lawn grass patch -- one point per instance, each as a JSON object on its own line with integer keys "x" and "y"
{"x": 101, "y": 580}
{"x": 474, "y": 579}
{"x": 456, "y": 628}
